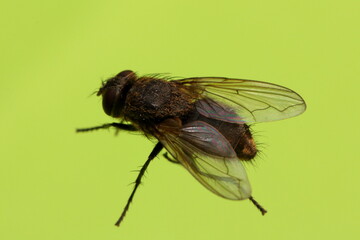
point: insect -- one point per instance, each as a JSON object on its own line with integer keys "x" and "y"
{"x": 202, "y": 122}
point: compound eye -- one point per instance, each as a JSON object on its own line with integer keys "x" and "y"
{"x": 111, "y": 101}
{"x": 125, "y": 73}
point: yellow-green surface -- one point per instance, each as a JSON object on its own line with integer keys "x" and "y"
{"x": 56, "y": 184}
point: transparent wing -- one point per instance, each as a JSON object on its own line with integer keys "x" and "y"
{"x": 209, "y": 157}
{"x": 253, "y": 101}
{"x": 215, "y": 110}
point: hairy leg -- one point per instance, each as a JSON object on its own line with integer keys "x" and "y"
{"x": 127, "y": 127}
{"x": 172, "y": 160}
{"x": 156, "y": 150}
{"x": 262, "y": 210}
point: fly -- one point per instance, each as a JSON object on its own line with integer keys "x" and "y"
{"x": 202, "y": 123}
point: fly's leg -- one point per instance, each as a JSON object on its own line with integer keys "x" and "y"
{"x": 262, "y": 210}
{"x": 122, "y": 126}
{"x": 172, "y": 160}
{"x": 152, "y": 155}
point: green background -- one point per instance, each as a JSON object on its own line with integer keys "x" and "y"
{"x": 56, "y": 184}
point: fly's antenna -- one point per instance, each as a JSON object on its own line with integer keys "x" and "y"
{"x": 152, "y": 155}
{"x": 262, "y": 210}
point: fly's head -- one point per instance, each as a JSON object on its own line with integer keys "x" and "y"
{"x": 114, "y": 91}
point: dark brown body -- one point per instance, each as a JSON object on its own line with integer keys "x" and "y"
{"x": 149, "y": 101}
{"x": 200, "y": 122}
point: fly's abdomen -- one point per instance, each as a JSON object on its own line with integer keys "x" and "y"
{"x": 238, "y": 135}
{"x": 240, "y": 138}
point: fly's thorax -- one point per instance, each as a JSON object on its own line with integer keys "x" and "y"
{"x": 114, "y": 92}
{"x": 154, "y": 100}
